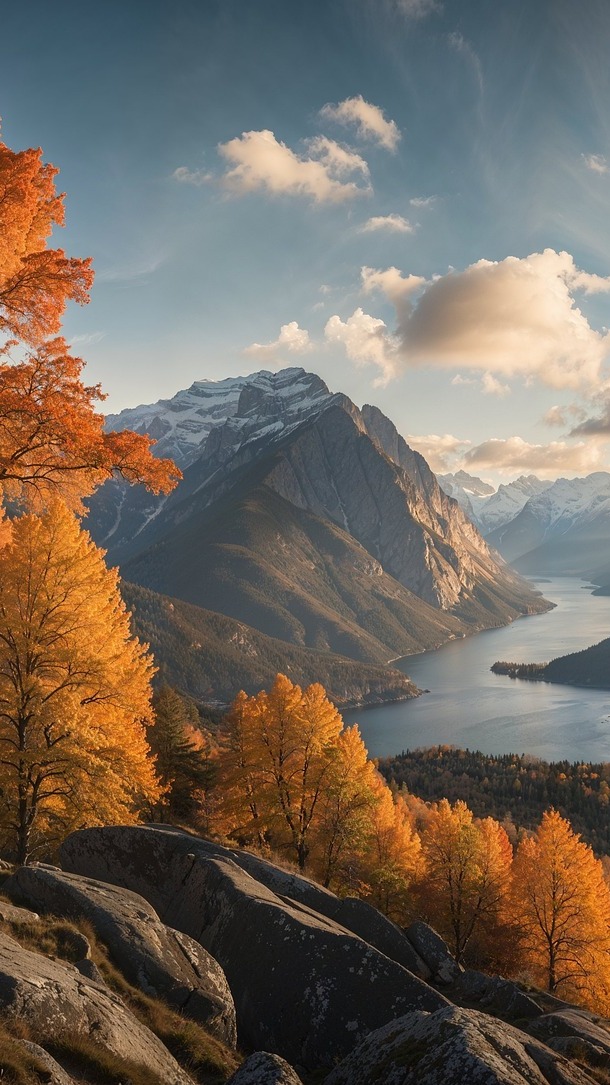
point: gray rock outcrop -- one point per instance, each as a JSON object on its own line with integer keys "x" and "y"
{"x": 277, "y": 955}
{"x": 53, "y": 997}
{"x": 453, "y": 1047}
{"x": 435, "y": 952}
{"x": 263, "y": 1068}
{"x": 576, "y": 1024}
{"x": 57, "y": 1074}
{"x": 164, "y": 963}
{"x": 497, "y": 994}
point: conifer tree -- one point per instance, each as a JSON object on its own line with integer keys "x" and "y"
{"x": 74, "y": 689}
{"x": 182, "y": 763}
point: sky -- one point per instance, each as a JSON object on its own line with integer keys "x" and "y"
{"x": 409, "y": 197}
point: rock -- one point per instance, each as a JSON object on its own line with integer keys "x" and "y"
{"x": 52, "y": 997}
{"x": 573, "y": 1047}
{"x": 353, "y": 914}
{"x": 9, "y": 913}
{"x": 434, "y": 951}
{"x": 162, "y": 962}
{"x": 263, "y": 1068}
{"x": 498, "y": 994}
{"x": 57, "y": 1074}
{"x": 572, "y": 1022}
{"x": 453, "y": 1046}
{"x": 277, "y": 956}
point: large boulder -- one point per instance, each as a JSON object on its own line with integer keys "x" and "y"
{"x": 453, "y": 1046}
{"x": 264, "y": 1068}
{"x": 303, "y": 986}
{"x": 53, "y": 998}
{"x": 56, "y": 1073}
{"x": 496, "y": 993}
{"x": 164, "y": 963}
{"x": 434, "y": 951}
{"x": 574, "y": 1023}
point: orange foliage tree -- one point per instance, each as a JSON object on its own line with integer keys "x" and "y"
{"x": 561, "y": 903}
{"x": 277, "y": 763}
{"x": 393, "y": 858}
{"x": 466, "y": 875}
{"x": 74, "y": 688}
{"x": 51, "y": 438}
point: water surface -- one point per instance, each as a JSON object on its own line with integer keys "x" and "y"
{"x": 469, "y": 706}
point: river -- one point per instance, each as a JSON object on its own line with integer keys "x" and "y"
{"x": 468, "y": 706}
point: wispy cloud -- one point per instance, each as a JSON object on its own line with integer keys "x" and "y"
{"x": 491, "y": 386}
{"x": 259, "y": 161}
{"x": 368, "y": 119}
{"x": 513, "y": 455}
{"x": 394, "y": 223}
{"x": 192, "y": 177}
{"x": 418, "y": 9}
{"x": 444, "y": 452}
{"x": 459, "y": 43}
{"x": 89, "y": 339}
{"x": 422, "y": 203}
{"x": 597, "y": 163}
{"x": 292, "y": 339}
{"x": 131, "y": 271}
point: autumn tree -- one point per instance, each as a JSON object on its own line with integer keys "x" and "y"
{"x": 74, "y": 688}
{"x": 284, "y": 744}
{"x": 561, "y": 902}
{"x": 467, "y": 867}
{"x": 181, "y": 755}
{"x": 345, "y": 813}
{"x": 52, "y": 440}
{"x": 392, "y": 860}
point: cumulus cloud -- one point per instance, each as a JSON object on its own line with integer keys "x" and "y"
{"x": 191, "y": 177}
{"x": 440, "y": 450}
{"x": 514, "y": 316}
{"x": 394, "y": 223}
{"x": 293, "y": 339}
{"x": 564, "y": 416}
{"x": 324, "y": 174}
{"x": 366, "y": 341}
{"x": 513, "y": 455}
{"x": 459, "y": 379}
{"x": 491, "y": 386}
{"x": 597, "y": 163}
{"x": 368, "y": 119}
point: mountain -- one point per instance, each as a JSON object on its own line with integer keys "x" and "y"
{"x": 491, "y": 509}
{"x": 564, "y": 530}
{"x": 307, "y": 519}
{"x": 211, "y": 657}
{"x": 590, "y": 667}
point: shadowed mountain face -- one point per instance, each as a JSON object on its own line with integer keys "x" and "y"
{"x": 308, "y": 519}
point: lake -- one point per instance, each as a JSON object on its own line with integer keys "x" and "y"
{"x": 468, "y": 706}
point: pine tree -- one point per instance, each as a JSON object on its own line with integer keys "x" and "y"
{"x": 182, "y": 763}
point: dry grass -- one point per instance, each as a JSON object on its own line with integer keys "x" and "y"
{"x": 208, "y": 1060}
{"x": 17, "y": 1065}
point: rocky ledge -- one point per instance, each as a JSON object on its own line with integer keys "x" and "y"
{"x": 311, "y": 987}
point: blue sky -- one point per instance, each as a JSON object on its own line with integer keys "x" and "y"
{"x": 459, "y": 151}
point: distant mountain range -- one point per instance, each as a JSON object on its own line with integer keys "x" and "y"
{"x": 307, "y": 520}
{"x": 560, "y": 528}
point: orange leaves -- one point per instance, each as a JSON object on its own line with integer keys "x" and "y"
{"x": 562, "y": 905}
{"x": 35, "y": 282}
{"x": 52, "y": 439}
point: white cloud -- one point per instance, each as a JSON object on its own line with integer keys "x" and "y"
{"x": 191, "y": 177}
{"x": 394, "y": 223}
{"x": 440, "y": 450}
{"x": 368, "y": 119}
{"x": 366, "y": 341}
{"x": 87, "y": 340}
{"x": 597, "y": 163}
{"x": 510, "y": 317}
{"x": 564, "y": 416}
{"x": 257, "y": 160}
{"x": 423, "y": 202}
{"x": 293, "y": 339}
{"x": 491, "y": 386}
{"x": 459, "y": 379}
{"x": 513, "y": 455}
{"x": 418, "y": 9}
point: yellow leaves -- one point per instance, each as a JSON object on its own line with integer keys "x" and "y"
{"x": 74, "y": 686}
{"x": 561, "y": 902}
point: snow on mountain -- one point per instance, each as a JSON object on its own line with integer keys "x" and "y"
{"x": 181, "y": 425}
{"x": 491, "y": 509}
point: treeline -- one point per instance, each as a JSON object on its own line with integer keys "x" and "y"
{"x": 591, "y": 667}
{"x": 516, "y": 790}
